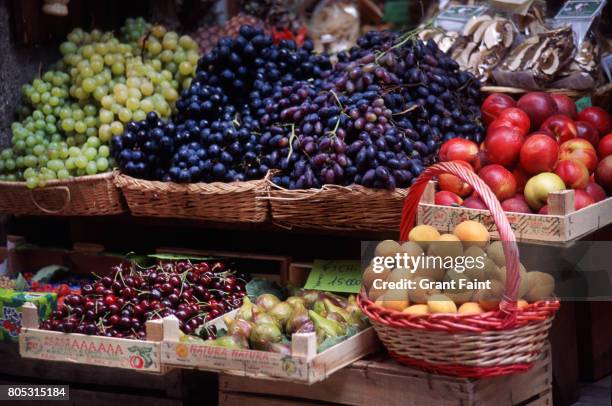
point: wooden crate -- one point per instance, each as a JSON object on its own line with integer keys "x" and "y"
{"x": 137, "y": 355}
{"x": 382, "y": 381}
{"x": 303, "y": 365}
{"x": 561, "y": 226}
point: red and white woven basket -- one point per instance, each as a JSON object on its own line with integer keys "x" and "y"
{"x": 498, "y": 342}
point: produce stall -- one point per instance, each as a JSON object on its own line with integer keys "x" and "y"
{"x": 306, "y": 202}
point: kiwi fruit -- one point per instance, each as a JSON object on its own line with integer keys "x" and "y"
{"x": 495, "y": 251}
{"x": 369, "y": 276}
{"x": 387, "y": 248}
{"x": 399, "y": 274}
{"x": 489, "y": 299}
{"x": 412, "y": 249}
{"x": 475, "y": 271}
{"x": 541, "y": 286}
{"x": 524, "y": 284}
{"x": 419, "y": 295}
{"x": 459, "y": 296}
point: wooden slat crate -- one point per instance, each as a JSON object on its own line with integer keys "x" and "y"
{"x": 304, "y": 365}
{"x": 382, "y": 381}
{"x": 561, "y": 226}
{"x": 137, "y": 355}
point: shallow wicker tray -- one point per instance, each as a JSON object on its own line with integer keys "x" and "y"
{"x": 223, "y": 202}
{"x": 94, "y": 195}
{"x": 335, "y": 207}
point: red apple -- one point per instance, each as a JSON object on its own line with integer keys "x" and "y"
{"x": 574, "y": 173}
{"x": 565, "y": 105}
{"x": 446, "y": 198}
{"x": 503, "y": 145}
{"x": 538, "y": 106}
{"x": 581, "y": 150}
{"x": 596, "y": 191}
{"x": 521, "y": 178}
{"x": 474, "y": 202}
{"x": 539, "y": 153}
{"x": 582, "y": 199}
{"x": 604, "y": 148}
{"x": 493, "y": 105}
{"x": 500, "y": 180}
{"x": 516, "y": 204}
{"x": 543, "y": 209}
{"x": 597, "y": 116}
{"x": 458, "y": 149}
{"x": 603, "y": 175}
{"x": 480, "y": 160}
{"x": 561, "y": 126}
{"x": 452, "y": 183}
{"x": 511, "y": 117}
{"x": 587, "y": 131}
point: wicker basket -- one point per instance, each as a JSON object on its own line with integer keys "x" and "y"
{"x": 235, "y": 202}
{"x": 94, "y": 195}
{"x": 494, "y": 343}
{"x": 335, "y": 207}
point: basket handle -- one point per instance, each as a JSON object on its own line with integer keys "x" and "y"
{"x": 411, "y": 206}
{"x": 67, "y": 199}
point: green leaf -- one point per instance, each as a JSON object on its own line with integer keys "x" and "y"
{"x": 179, "y": 257}
{"x": 257, "y": 287}
{"x": 47, "y": 273}
{"x": 21, "y": 284}
{"x": 331, "y": 341}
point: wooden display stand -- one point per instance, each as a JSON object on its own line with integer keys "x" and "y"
{"x": 382, "y": 381}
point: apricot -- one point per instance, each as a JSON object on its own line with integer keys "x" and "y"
{"x": 447, "y": 245}
{"x": 441, "y": 304}
{"x": 472, "y": 233}
{"x": 396, "y": 299}
{"x": 521, "y": 304}
{"x": 470, "y": 308}
{"x": 418, "y": 309}
{"x": 423, "y": 235}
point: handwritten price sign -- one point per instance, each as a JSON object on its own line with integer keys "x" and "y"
{"x": 335, "y": 276}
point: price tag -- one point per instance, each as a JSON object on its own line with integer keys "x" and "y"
{"x": 583, "y": 103}
{"x": 335, "y": 276}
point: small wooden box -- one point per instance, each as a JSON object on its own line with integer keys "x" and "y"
{"x": 382, "y": 381}
{"x": 562, "y": 225}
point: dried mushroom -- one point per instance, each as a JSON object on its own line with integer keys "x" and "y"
{"x": 543, "y": 55}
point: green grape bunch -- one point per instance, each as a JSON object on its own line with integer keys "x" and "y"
{"x": 102, "y": 82}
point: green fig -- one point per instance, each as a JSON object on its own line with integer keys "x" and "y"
{"x": 298, "y": 316}
{"x": 293, "y": 300}
{"x": 335, "y": 299}
{"x": 267, "y": 301}
{"x": 326, "y": 327}
{"x": 238, "y": 326}
{"x": 261, "y": 317}
{"x": 279, "y": 348}
{"x": 332, "y": 308}
{"x": 310, "y": 297}
{"x": 319, "y": 308}
{"x": 246, "y": 310}
{"x": 281, "y": 311}
{"x": 263, "y": 335}
{"x": 307, "y": 327}
{"x": 229, "y": 341}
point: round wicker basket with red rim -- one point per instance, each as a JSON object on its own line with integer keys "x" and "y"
{"x": 498, "y": 342}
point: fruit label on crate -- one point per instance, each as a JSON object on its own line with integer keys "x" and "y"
{"x": 583, "y": 103}
{"x": 335, "y": 276}
{"x": 524, "y": 226}
{"x": 245, "y": 361}
{"x": 93, "y": 350}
